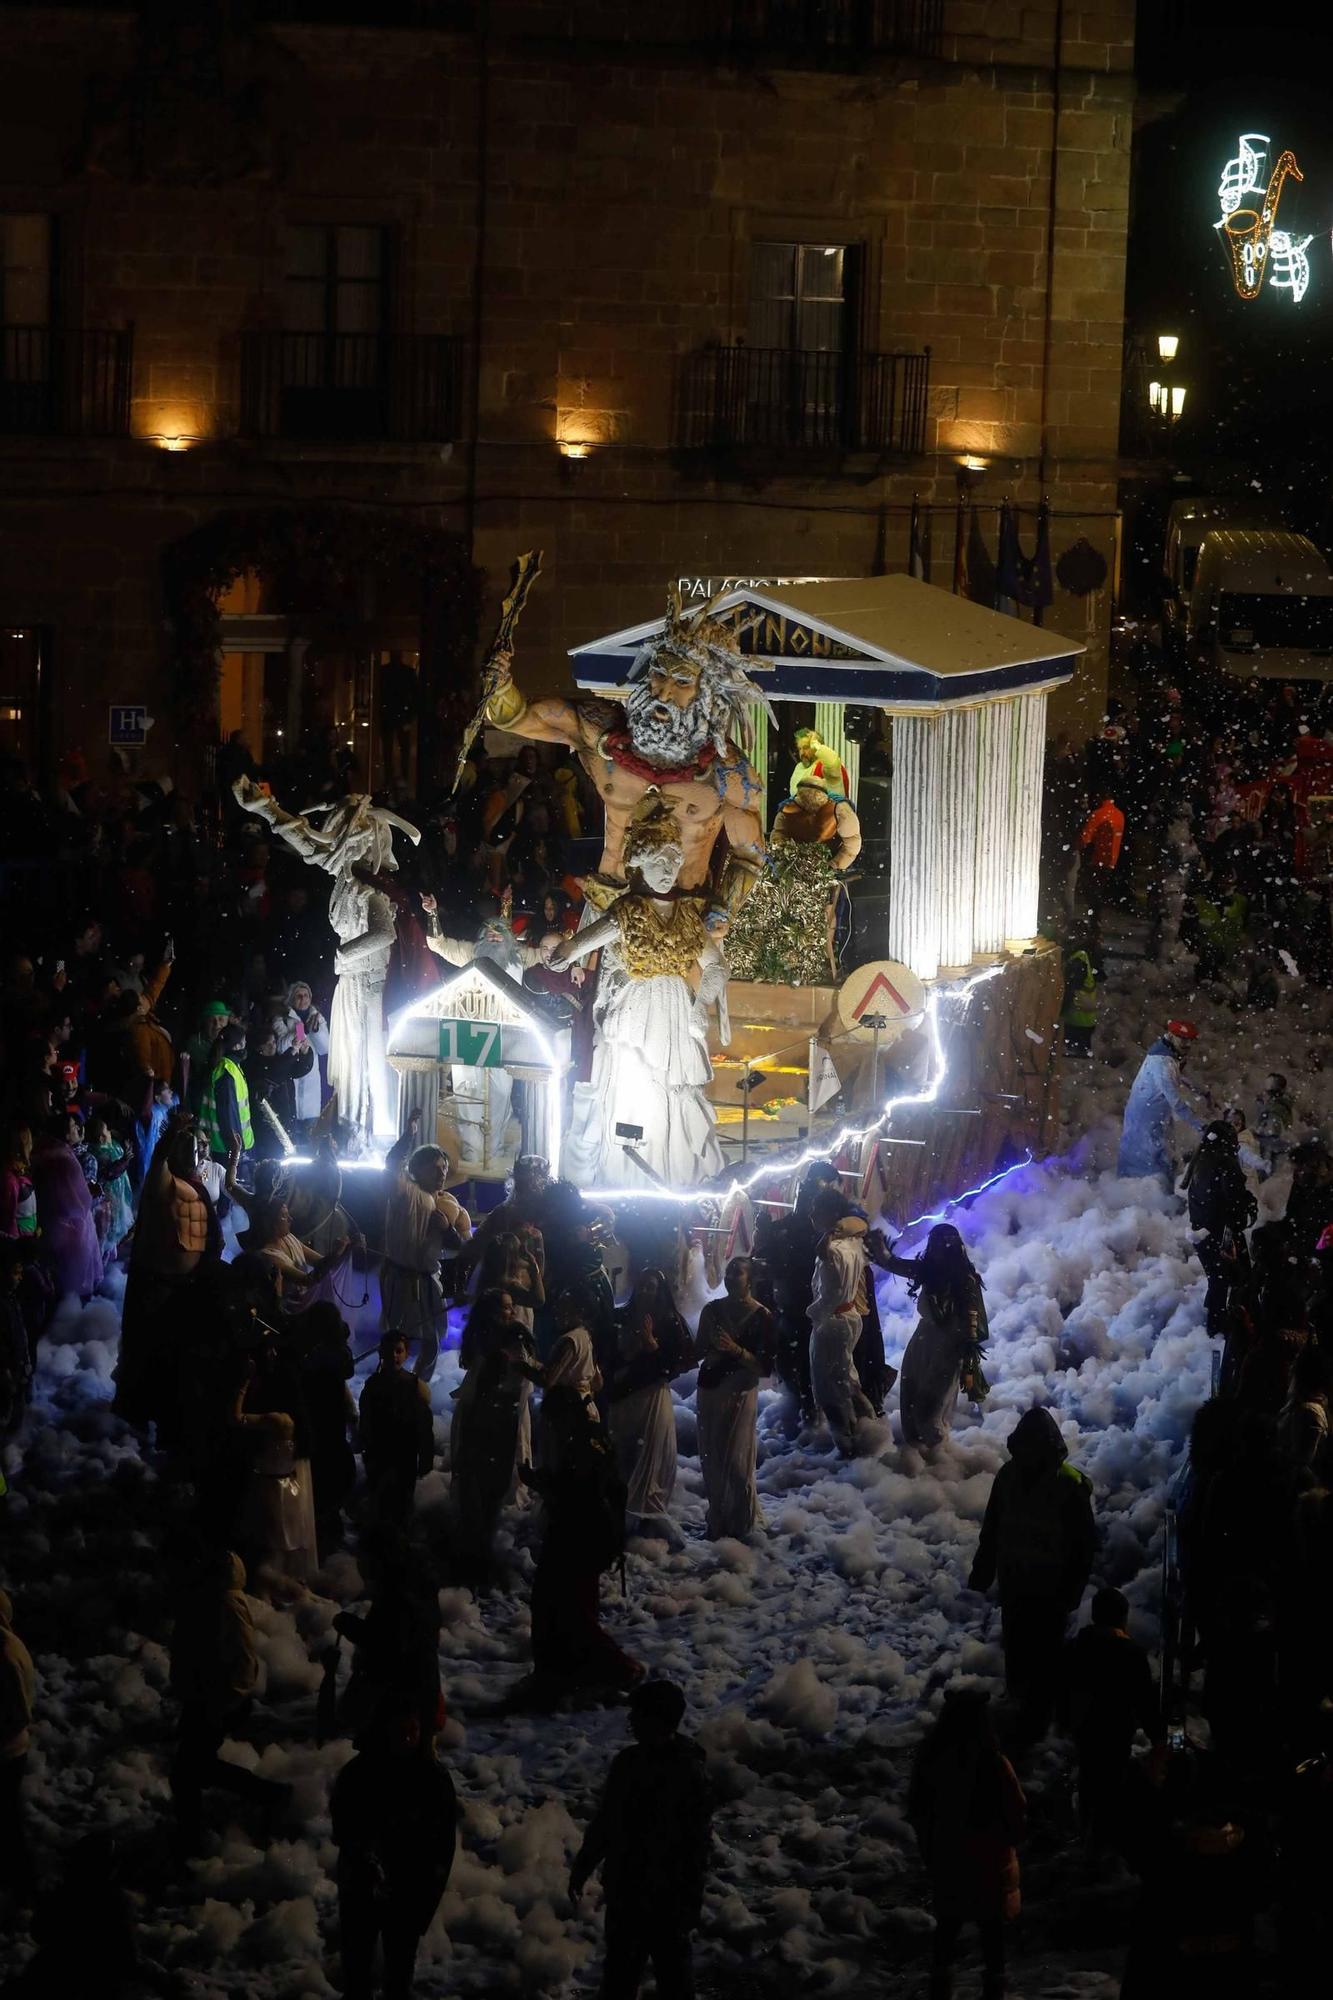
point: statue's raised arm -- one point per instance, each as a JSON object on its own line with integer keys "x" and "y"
{"x": 355, "y": 846}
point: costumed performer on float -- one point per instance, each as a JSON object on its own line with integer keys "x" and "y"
{"x": 354, "y": 843}
{"x": 786, "y": 931}
{"x": 651, "y": 1066}
{"x": 818, "y": 760}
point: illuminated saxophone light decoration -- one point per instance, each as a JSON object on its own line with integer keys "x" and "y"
{"x": 1256, "y": 248}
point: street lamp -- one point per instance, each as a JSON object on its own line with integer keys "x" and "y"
{"x": 1166, "y": 399}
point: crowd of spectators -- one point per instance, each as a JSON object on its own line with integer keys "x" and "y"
{"x": 164, "y": 1038}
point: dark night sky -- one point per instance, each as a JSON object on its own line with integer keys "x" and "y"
{"x": 1259, "y": 373}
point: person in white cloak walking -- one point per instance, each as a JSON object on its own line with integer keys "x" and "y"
{"x": 837, "y": 1311}
{"x": 735, "y": 1349}
{"x": 654, "y": 1348}
{"x": 422, "y": 1223}
{"x": 943, "y": 1356}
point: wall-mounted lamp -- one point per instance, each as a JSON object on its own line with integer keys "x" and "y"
{"x": 181, "y": 442}
{"x": 1177, "y": 399}
{"x": 574, "y": 448}
{"x": 970, "y": 470}
{"x": 1155, "y": 396}
{"x": 1167, "y": 344}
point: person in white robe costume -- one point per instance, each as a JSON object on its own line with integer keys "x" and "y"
{"x": 837, "y": 1310}
{"x": 422, "y": 1222}
{"x": 355, "y": 841}
{"x": 735, "y": 1346}
{"x": 651, "y": 1067}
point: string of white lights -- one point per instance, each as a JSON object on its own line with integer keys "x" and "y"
{"x": 768, "y": 1169}
{"x": 849, "y": 1133}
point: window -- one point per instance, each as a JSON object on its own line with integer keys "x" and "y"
{"x": 333, "y": 359}
{"x": 798, "y": 296}
{"x": 334, "y": 282}
{"x": 25, "y": 317}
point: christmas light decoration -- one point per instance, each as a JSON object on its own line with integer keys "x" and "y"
{"x": 1256, "y": 247}
{"x": 830, "y": 1145}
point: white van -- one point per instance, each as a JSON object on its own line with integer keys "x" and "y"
{"x": 1261, "y": 604}
{"x": 1187, "y": 523}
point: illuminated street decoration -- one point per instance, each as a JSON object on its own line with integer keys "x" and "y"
{"x": 1255, "y": 246}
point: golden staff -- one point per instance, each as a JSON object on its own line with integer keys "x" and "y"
{"x": 525, "y": 573}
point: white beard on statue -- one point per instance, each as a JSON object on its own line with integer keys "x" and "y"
{"x": 671, "y": 736}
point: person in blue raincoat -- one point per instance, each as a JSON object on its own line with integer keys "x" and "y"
{"x": 1155, "y": 1098}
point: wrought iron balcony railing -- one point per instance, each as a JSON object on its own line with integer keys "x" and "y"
{"x": 60, "y": 381}
{"x": 352, "y": 387}
{"x": 773, "y": 398}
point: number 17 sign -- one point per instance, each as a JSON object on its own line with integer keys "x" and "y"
{"x": 472, "y": 1044}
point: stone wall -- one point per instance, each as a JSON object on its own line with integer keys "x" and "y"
{"x": 617, "y": 183}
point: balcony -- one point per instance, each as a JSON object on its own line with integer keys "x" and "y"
{"x": 352, "y": 388}
{"x": 782, "y": 399}
{"x": 65, "y": 381}
{"x": 836, "y": 31}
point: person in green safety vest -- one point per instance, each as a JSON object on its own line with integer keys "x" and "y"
{"x": 1079, "y": 1011}
{"x": 224, "y": 1109}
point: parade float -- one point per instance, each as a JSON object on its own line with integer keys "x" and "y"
{"x": 930, "y": 1066}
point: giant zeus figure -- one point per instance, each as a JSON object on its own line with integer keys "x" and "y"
{"x": 674, "y": 736}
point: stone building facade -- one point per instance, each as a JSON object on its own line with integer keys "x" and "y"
{"x": 696, "y": 289}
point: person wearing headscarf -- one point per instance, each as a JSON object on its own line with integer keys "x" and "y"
{"x": 735, "y": 1346}
{"x": 500, "y": 1362}
{"x": 839, "y": 1306}
{"x": 655, "y": 1347}
{"x": 422, "y": 1223}
{"x": 943, "y": 1355}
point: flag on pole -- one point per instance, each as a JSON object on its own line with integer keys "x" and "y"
{"x": 1007, "y": 579}
{"x": 1036, "y": 585}
{"x": 824, "y": 1079}
{"x": 960, "y": 550}
{"x": 918, "y": 543}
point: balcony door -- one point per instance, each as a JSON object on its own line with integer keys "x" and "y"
{"x": 335, "y": 372}
{"x": 26, "y": 373}
{"x": 802, "y": 337}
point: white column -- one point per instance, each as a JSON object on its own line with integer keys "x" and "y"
{"x": 756, "y": 749}
{"x": 914, "y": 865}
{"x": 830, "y": 724}
{"x": 995, "y": 763}
{"x": 1025, "y": 816}
{"x": 957, "y": 781}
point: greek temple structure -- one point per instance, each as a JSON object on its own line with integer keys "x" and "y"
{"x": 966, "y": 689}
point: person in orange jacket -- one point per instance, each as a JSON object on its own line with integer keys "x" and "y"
{"x": 1101, "y": 840}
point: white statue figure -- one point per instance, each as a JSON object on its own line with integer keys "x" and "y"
{"x": 356, "y": 836}
{"x": 482, "y": 1098}
{"x": 651, "y": 1066}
